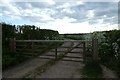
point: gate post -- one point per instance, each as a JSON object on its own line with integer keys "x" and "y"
{"x": 95, "y": 49}
{"x": 84, "y": 52}
{"x": 56, "y": 51}
{"x": 12, "y": 45}
{"x": 32, "y": 49}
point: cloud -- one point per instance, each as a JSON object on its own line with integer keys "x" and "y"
{"x": 90, "y": 14}
{"x": 38, "y": 15}
{"x": 51, "y": 13}
{"x": 68, "y": 10}
{"x": 51, "y": 2}
{"x": 10, "y": 9}
{"x": 65, "y": 5}
{"x": 100, "y": 0}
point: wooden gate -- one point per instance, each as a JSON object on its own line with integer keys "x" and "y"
{"x": 36, "y": 47}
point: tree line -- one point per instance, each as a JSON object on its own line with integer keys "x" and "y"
{"x": 27, "y": 32}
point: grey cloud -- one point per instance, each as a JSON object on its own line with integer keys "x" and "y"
{"x": 34, "y": 19}
{"x": 79, "y": 13}
{"x": 104, "y": 8}
{"x": 22, "y": 5}
{"x": 100, "y": 8}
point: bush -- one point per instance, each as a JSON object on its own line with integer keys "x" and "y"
{"x": 109, "y": 50}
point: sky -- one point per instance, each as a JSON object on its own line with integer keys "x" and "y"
{"x": 73, "y": 16}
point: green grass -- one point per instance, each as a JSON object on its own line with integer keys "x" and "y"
{"x": 92, "y": 70}
{"x": 11, "y": 59}
{"x": 113, "y": 65}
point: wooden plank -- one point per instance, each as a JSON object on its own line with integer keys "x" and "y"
{"x": 74, "y": 56}
{"x": 29, "y": 49}
{"x": 38, "y": 50}
{"x": 47, "y": 57}
{"x": 78, "y": 47}
{"x": 26, "y": 53}
{"x": 64, "y": 47}
{"x": 39, "y": 46}
{"x": 72, "y": 59}
{"x": 75, "y": 52}
{"x": 24, "y": 49}
{"x": 52, "y": 41}
{"x": 51, "y": 55}
{"x": 20, "y": 45}
{"x": 58, "y": 51}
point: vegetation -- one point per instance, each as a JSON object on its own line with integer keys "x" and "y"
{"x": 92, "y": 70}
{"x": 25, "y": 32}
{"x": 11, "y": 59}
{"x": 74, "y": 36}
{"x": 22, "y": 32}
{"x": 109, "y": 50}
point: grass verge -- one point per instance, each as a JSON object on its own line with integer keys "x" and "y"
{"x": 92, "y": 70}
{"x": 113, "y": 65}
{"x": 11, "y": 59}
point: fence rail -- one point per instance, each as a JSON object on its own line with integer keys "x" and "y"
{"x": 52, "y": 41}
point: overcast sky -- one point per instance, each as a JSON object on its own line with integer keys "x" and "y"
{"x": 78, "y": 16}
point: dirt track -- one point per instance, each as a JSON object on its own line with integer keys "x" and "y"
{"x": 62, "y": 69}
{"x": 20, "y": 70}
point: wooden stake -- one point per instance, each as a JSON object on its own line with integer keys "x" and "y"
{"x": 95, "y": 49}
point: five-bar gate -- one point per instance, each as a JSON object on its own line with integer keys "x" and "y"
{"x": 53, "y": 48}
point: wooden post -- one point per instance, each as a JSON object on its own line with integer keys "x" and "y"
{"x": 12, "y": 45}
{"x": 32, "y": 48}
{"x": 84, "y": 52}
{"x": 56, "y": 51}
{"x": 95, "y": 49}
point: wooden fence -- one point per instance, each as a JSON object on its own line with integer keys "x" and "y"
{"x": 87, "y": 46}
